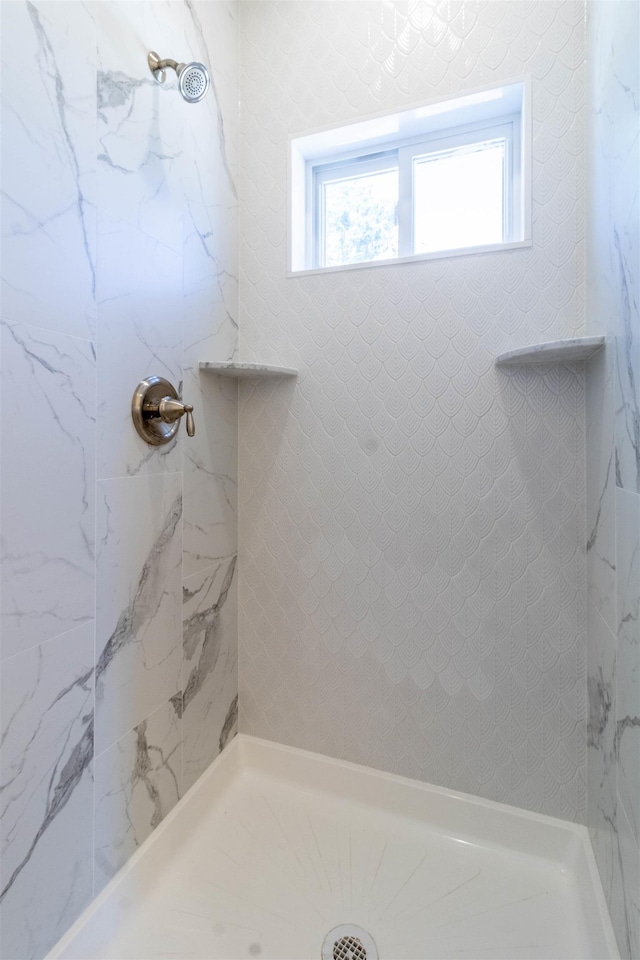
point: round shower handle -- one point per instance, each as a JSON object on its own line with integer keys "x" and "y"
{"x": 156, "y": 411}
{"x": 171, "y": 410}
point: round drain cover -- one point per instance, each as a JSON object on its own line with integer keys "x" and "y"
{"x": 348, "y": 942}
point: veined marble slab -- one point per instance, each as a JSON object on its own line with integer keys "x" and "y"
{"x": 137, "y": 782}
{"x": 46, "y": 791}
{"x": 47, "y": 437}
{"x": 138, "y": 626}
{"x": 553, "y": 351}
{"x": 208, "y": 703}
{"x": 234, "y": 368}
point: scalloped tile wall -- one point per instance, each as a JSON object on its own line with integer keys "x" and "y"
{"x": 412, "y": 520}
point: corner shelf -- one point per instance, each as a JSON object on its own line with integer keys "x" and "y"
{"x": 553, "y": 351}
{"x": 234, "y": 368}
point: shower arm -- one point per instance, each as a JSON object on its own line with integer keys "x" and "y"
{"x": 168, "y": 63}
{"x": 158, "y": 66}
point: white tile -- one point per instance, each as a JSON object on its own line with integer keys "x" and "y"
{"x": 48, "y": 471}
{"x": 141, "y": 123}
{"x": 138, "y": 781}
{"x": 613, "y": 265}
{"x": 47, "y": 791}
{"x": 628, "y": 659}
{"x": 140, "y": 317}
{"x": 211, "y": 32}
{"x": 138, "y": 648}
{"x": 211, "y": 290}
{"x": 210, "y": 666}
{"x": 412, "y": 520}
{"x": 626, "y": 909}
{"x": 600, "y": 389}
{"x": 49, "y": 166}
{"x": 210, "y": 470}
{"x": 601, "y": 761}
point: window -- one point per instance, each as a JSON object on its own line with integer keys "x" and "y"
{"x": 443, "y": 178}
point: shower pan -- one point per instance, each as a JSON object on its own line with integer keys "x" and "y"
{"x": 281, "y": 853}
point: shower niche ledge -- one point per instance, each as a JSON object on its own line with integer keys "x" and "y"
{"x": 572, "y": 350}
{"x": 240, "y": 369}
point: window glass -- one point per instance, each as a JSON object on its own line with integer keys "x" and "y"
{"x": 359, "y": 215}
{"x": 438, "y": 179}
{"x": 458, "y": 197}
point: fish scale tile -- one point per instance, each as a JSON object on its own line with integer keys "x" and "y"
{"x": 412, "y": 520}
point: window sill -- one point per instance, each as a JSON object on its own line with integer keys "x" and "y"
{"x": 418, "y": 258}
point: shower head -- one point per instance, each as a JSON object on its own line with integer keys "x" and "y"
{"x": 193, "y": 81}
{"x": 193, "y": 78}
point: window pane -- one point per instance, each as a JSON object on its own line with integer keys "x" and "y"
{"x": 459, "y": 197}
{"x": 360, "y": 218}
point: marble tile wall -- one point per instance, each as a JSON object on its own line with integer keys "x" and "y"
{"x": 118, "y": 657}
{"x": 613, "y": 460}
{"x": 412, "y": 566}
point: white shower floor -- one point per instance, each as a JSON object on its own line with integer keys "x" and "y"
{"x": 273, "y": 847}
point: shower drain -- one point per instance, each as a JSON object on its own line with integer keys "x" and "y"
{"x": 348, "y": 942}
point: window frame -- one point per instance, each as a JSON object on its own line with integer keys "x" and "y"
{"x": 405, "y": 151}
{"x": 425, "y": 120}
{"x": 321, "y": 173}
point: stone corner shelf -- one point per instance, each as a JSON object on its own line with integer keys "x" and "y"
{"x": 553, "y": 351}
{"x": 255, "y": 371}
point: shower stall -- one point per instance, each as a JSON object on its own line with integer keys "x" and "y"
{"x": 320, "y": 599}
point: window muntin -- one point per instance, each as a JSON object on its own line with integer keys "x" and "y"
{"x": 453, "y": 191}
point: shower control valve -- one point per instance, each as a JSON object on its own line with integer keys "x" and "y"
{"x": 156, "y": 410}
{"x": 171, "y": 410}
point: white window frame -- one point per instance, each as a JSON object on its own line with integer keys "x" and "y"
{"x": 319, "y": 174}
{"x": 495, "y": 111}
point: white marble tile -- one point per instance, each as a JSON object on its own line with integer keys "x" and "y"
{"x": 138, "y": 649}
{"x": 47, "y": 439}
{"x": 140, "y": 316}
{"x": 600, "y": 389}
{"x": 138, "y": 781}
{"x": 211, "y": 290}
{"x": 627, "y": 368}
{"x": 628, "y": 658}
{"x": 210, "y": 329}
{"x": 48, "y": 166}
{"x": 626, "y": 912}
{"x": 210, "y": 470}
{"x": 212, "y": 143}
{"x": 210, "y": 280}
{"x": 601, "y": 765}
{"x": 140, "y": 121}
{"x": 210, "y": 668}
{"x": 46, "y": 797}
{"x": 613, "y": 285}
{"x": 613, "y": 253}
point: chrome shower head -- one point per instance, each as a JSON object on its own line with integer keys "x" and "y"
{"x": 193, "y": 81}
{"x": 193, "y": 78}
